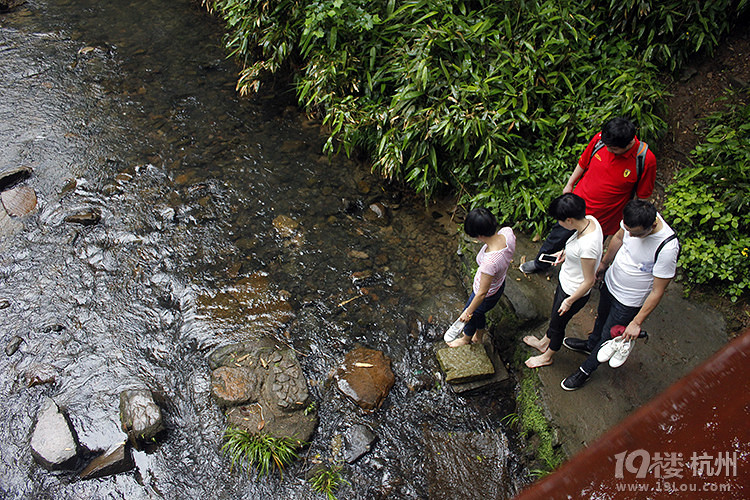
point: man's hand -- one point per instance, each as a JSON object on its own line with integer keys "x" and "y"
{"x": 601, "y": 271}
{"x": 632, "y": 331}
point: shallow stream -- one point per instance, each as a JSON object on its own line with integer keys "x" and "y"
{"x": 129, "y": 108}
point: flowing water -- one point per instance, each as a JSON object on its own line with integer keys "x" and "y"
{"x": 128, "y": 108}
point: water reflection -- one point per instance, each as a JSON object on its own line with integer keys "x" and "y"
{"x": 220, "y": 221}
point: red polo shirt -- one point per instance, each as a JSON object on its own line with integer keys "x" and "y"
{"x": 608, "y": 181}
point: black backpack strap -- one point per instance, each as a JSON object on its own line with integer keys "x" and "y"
{"x": 640, "y": 165}
{"x": 666, "y": 240}
{"x": 599, "y": 145}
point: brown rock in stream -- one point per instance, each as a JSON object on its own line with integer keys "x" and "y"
{"x": 263, "y": 388}
{"x": 85, "y": 217}
{"x": 233, "y": 385}
{"x": 366, "y": 377}
{"x": 19, "y": 201}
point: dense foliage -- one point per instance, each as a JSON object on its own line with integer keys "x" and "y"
{"x": 709, "y": 204}
{"x": 494, "y": 100}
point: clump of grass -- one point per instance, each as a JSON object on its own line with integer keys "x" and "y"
{"x": 326, "y": 480}
{"x": 259, "y": 451}
{"x": 511, "y": 419}
{"x": 533, "y": 422}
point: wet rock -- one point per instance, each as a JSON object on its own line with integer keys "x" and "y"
{"x": 13, "y": 176}
{"x": 358, "y": 440}
{"x": 19, "y": 201}
{"x": 40, "y": 375}
{"x": 363, "y": 186}
{"x": 285, "y": 226}
{"x": 337, "y": 446}
{"x": 366, "y": 377}
{"x": 8, "y": 224}
{"x": 232, "y": 386}
{"x": 140, "y": 416}
{"x": 87, "y": 217}
{"x": 13, "y": 345}
{"x": 288, "y": 229}
{"x": 357, "y": 254}
{"x": 117, "y": 459}
{"x": 6, "y": 5}
{"x": 498, "y": 378}
{"x": 278, "y": 390}
{"x": 4, "y": 303}
{"x": 465, "y": 363}
{"x": 55, "y": 327}
{"x": 68, "y": 187}
{"x": 377, "y": 212}
{"x": 53, "y": 441}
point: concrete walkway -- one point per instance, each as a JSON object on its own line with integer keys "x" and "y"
{"x": 682, "y": 335}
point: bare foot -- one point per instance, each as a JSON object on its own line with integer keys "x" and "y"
{"x": 477, "y": 338}
{"x": 538, "y": 344}
{"x": 465, "y": 340}
{"x": 538, "y": 361}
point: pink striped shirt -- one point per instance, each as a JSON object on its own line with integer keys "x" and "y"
{"x": 496, "y": 263}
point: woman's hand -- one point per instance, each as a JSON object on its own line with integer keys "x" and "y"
{"x": 564, "y": 306}
{"x": 560, "y": 257}
{"x": 465, "y": 316}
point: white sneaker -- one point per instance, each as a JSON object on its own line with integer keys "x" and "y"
{"x": 455, "y": 331}
{"x": 619, "y": 357}
{"x": 608, "y": 349}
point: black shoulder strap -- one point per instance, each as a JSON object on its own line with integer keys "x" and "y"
{"x": 640, "y": 165}
{"x": 666, "y": 240}
{"x": 599, "y": 145}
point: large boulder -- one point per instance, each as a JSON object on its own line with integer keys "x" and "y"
{"x": 53, "y": 442}
{"x": 263, "y": 389}
{"x": 140, "y": 416}
{"x": 365, "y": 377}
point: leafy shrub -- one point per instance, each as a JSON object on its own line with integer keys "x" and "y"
{"x": 709, "y": 204}
{"x": 669, "y": 32}
{"x": 494, "y": 100}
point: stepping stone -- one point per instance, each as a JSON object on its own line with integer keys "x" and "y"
{"x": 465, "y": 364}
{"x": 501, "y": 374}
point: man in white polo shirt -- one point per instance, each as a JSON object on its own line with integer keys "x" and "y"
{"x": 639, "y": 264}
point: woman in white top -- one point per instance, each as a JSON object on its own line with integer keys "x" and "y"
{"x": 580, "y": 259}
{"x": 489, "y": 281}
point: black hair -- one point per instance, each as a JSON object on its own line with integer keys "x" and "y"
{"x": 480, "y": 222}
{"x": 639, "y": 213}
{"x": 567, "y": 205}
{"x": 618, "y": 132}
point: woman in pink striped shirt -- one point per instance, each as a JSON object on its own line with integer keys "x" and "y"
{"x": 489, "y": 281}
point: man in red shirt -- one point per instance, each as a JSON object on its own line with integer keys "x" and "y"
{"x": 607, "y": 180}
